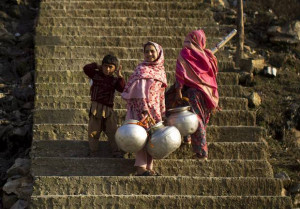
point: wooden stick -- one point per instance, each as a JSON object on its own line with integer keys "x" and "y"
{"x": 224, "y": 41}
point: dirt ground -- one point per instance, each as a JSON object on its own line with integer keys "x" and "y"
{"x": 279, "y": 112}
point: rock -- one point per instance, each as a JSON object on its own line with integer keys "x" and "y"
{"x": 7, "y": 38}
{"x": 295, "y": 189}
{"x": 14, "y": 11}
{"x": 220, "y": 3}
{"x": 282, "y": 175}
{"x": 288, "y": 34}
{"x": 284, "y": 192}
{"x": 4, "y": 15}
{"x": 20, "y": 131}
{"x": 297, "y": 200}
{"x": 22, "y": 187}
{"x": 246, "y": 79}
{"x": 20, "y": 167}
{"x": 20, "y": 204}
{"x": 254, "y": 100}
{"x": 296, "y": 137}
{"x": 28, "y": 106}
{"x": 26, "y": 40}
{"x": 9, "y": 200}
{"x": 252, "y": 65}
{"x": 24, "y": 93}
{"x": 28, "y": 78}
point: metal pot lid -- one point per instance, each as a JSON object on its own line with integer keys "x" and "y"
{"x": 179, "y": 109}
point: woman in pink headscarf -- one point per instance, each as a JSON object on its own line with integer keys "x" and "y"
{"x": 196, "y": 72}
{"x": 144, "y": 93}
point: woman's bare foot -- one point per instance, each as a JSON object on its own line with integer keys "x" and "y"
{"x": 200, "y": 157}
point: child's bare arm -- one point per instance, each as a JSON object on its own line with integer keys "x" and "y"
{"x": 90, "y": 69}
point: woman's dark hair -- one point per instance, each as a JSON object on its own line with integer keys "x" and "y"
{"x": 149, "y": 43}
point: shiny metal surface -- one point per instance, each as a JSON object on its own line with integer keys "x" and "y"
{"x": 131, "y": 137}
{"x": 184, "y": 120}
{"x": 164, "y": 140}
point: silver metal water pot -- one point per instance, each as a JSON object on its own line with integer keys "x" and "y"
{"x": 183, "y": 119}
{"x": 131, "y": 137}
{"x": 164, "y": 140}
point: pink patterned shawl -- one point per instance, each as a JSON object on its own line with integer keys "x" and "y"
{"x": 196, "y": 67}
{"x": 146, "y": 70}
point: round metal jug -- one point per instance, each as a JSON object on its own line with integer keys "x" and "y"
{"x": 183, "y": 119}
{"x": 131, "y": 137}
{"x": 164, "y": 140}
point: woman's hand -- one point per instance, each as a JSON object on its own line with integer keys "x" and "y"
{"x": 178, "y": 96}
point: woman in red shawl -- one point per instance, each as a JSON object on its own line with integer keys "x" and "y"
{"x": 196, "y": 72}
{"x": 145, "y": 93}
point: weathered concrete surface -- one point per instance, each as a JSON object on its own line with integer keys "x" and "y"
{"x": 167, "y": 185}
{"x": 161, "y": 201}
{"x": 95, "y": 52}
{"x": 124, "y": 5}
{"x": 100, "y": 12}
{"x": 110, "y": 41}
{"x": 57, "y": 166}
{"x": 145, "y": 30}
{"x": 214, "y": 133}
{"x": 217, "y": 150}
{"x": 80, "y": 116}
{"x": 67, "y": 89}
{"x": 71, "y": 75}
{"x": 83, "y": 102}
{"x": 59, "y": 64}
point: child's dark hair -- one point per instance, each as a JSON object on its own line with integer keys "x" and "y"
{"x": 111, "y": 59}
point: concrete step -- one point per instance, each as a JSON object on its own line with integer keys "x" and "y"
{"x": 80, "y": 116}
{"x": 117, "y": 41}
{"x": 96, "y": 53}
{"x": 83, "y": 102}
{"x": 123, "y": 21}
{"x": 57, "y": 166}
{"x": 78, "y": 76}
{"x": 68, "y": 1}
{"x": 140, "y": 5}
{"x": 161, "y": 201}
{"x": 134, "y": 185}
{"x": 61, "y": 64}
{"x": 217, "y": 150}
{"x": 145, "y": 30}
{"x": 99, "y": 12}
{"x": 74, "y": 89}
{"x": 214, "y": 133}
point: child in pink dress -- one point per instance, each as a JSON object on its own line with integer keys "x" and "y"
{"x": 145, "y": 93}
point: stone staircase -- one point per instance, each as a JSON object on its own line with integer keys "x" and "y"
{"x": 72, "y": 33}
